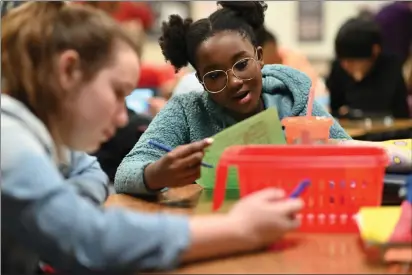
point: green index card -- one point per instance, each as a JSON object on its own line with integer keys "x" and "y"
{"x": 263, "y": 128}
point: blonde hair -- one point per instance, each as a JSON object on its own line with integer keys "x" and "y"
{"x": 33, "y": 34}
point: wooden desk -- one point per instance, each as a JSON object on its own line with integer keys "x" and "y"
{"x": 315, "y": 253}
{"x": 358, "y": 128}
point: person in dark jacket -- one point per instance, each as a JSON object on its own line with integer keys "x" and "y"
{"x": 363, "y": 77}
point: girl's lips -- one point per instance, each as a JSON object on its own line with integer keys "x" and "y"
{"x": 244, "y": 98}
{"x": 240, "y": 95}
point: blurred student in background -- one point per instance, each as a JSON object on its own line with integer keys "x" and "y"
{"x": 68, "y": 92}
{"x": 128, "y": 11}
{"x": 364, "y": 78}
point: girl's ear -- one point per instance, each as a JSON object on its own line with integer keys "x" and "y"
{"x": 259, "y": 54}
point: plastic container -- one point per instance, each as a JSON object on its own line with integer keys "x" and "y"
{"x": 343, "y": 179}
{"x": 307, "y": 130}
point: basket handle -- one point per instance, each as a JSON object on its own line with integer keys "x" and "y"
{"x": 219, "y": 191}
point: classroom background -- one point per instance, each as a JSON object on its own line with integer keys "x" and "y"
{"x": 306, "y": 31}
{"x": 284, "y": 20}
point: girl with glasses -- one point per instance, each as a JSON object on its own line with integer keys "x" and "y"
{"x": 228, "y": 61}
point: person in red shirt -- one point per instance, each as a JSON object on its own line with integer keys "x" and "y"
{"x": 130, "y": 11}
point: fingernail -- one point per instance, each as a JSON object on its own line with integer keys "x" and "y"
{"x": 209, "y": 140}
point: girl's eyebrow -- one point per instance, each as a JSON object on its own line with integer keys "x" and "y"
{"x": 234, "y": 59}
{"x": 238, "y": 55}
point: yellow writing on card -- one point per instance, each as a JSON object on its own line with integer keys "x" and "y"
{"x": 263, "y": 128}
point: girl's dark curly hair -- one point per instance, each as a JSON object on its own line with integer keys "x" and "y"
{"x": 181, "y": 37}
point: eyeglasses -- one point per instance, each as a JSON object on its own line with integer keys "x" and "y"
{"x": 216, "y": 81}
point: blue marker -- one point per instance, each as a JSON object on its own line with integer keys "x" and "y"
{"x": 300, "y": 189}
{"x": 168, "y": 149}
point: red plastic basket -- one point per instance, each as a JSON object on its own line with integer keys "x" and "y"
{"x": 343, "y": 179}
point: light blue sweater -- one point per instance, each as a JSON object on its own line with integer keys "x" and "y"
{"x": 45, "y": 218}
{"x": 193, "y": 116}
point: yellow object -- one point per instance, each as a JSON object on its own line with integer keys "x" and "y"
{"x": 400, "y": 153}
{"x": 376, "y": 224}
{"x": 403, "y": 144}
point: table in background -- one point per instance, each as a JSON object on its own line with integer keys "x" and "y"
{"x": 316, "y": 253}
{"x": 378, "y": 130}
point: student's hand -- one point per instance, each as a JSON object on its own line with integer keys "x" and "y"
{"x": 266, "y": 215}
{"x": 177, "y": 168}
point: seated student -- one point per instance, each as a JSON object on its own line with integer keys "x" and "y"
{"x": 228, "y": 60}
{"x": 364, "y": 78}
{"x": 69, "y": 92}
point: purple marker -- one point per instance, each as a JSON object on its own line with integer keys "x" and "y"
{"x": 300, "y": 189}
